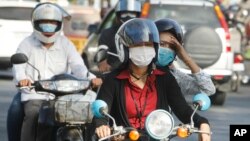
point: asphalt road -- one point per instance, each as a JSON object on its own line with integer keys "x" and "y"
{"x": 7, "y": 90}
{"x": 234, "y": 111}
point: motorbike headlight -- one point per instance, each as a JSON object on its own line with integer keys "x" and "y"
{"x": 159, "y": 124}
{"x": 65, "y": 85}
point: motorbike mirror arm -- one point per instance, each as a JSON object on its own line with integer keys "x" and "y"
{"x": 39, "y": 75}
{"x": 109, "y": 116}
{"x": 192, "y": 116}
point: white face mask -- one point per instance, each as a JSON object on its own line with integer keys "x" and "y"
{"x": 141, "y": 56}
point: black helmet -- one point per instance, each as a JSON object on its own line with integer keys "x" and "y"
{"x": 136, "y": 31}
{"x": 169, "y": 25}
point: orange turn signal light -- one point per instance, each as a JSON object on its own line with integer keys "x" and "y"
{"x": 182, "y": 132}
{"x": 145, "y": 10}
{"x": 134, "y": 135}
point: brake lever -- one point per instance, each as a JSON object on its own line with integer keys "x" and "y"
{"x": 119, "y": 130}
{"x": 202, "y": 132}
{"x": 192, "y": 130}
{"x": 115, "y": 134}
{"x": 25, "y": 87}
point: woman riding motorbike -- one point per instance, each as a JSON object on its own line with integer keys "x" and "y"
{"x": 138, "y": 88}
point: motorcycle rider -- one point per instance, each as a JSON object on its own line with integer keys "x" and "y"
{"x": 171, "y": 40}
{"x": 51, "y": 53}
{"x": 125, "y": 10}
{"x": 139, "y": 88}
{"x": 200, "y": 80}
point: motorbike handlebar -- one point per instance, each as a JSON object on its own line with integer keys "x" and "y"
{"x": 185, "y": 130}
{"x": 33, "y": 85}
{"x": 120, "y": 130}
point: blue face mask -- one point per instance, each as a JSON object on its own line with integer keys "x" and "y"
{"x": 165, "y": 56}
{"x": 47, "y": 27}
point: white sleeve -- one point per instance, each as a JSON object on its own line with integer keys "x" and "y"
{"x": 76, "y": 62}
{"x": 19, "y": 69}
{"x": 194, "y": 83}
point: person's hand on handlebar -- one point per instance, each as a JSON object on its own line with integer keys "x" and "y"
{"x": 24, "y": 82}
{"x": 103, "y": 131}
{"x": 96, "y": 82}
{"x": 203, "y": 136}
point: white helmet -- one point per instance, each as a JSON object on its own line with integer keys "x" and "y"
{"x": 47, "y": 11}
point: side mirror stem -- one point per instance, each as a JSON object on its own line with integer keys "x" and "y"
{"x": 192, "y": 116}
{"x": 39, "y": 75}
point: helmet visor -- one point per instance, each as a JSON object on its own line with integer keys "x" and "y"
{"x": 128, "y": 5}
{"x": 38, "y": 27}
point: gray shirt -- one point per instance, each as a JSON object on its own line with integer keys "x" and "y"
{"x": 194, "y": 83}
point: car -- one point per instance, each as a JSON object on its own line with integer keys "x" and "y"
{"x": 15, "y": 25}
{"x": 206, "y": 38}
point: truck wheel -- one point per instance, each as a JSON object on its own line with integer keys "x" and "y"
{"x": 218, "y": 98}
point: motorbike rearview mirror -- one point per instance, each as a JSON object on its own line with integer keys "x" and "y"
{"x": 101, "y": 54}
{"x": 159, "y": 124}
{"x": 18, "y": 58}
{"x": 99, "y": 108}
{"x": 202, "y": 101}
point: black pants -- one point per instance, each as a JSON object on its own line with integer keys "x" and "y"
{"x": 37, "y": 128}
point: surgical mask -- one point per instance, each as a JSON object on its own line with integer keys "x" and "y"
{"x": 141, "y": 56}
{"x": 47, "y": 27}
{"x": 165, "y": 56}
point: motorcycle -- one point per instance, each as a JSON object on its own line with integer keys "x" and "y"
{"x": 69, "y": 111}
{"x": 159, "y": 123}
{"x": 234, "y": 16}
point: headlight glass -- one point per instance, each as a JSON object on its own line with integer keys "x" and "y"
{"x": 48, "y": 85}
{"x": 65, "y": 85}
{"x": 159, "y": 124}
